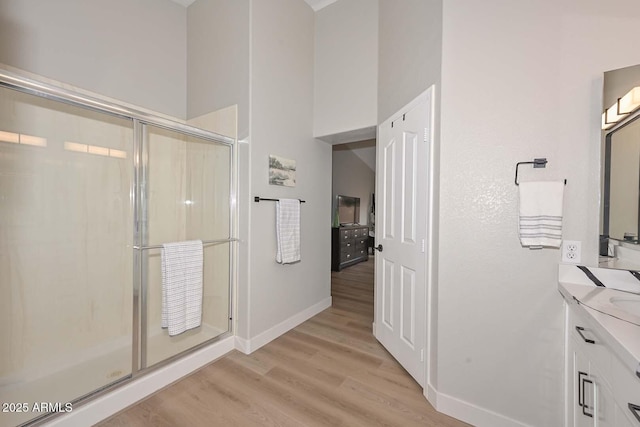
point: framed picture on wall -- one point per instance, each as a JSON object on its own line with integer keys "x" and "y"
{"x": 282, "y": 171}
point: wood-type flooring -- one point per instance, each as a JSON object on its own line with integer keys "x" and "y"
{"x": 328, "y": 371}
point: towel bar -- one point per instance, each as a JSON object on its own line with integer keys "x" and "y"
{"x": 257, "y": 199}
{"x": 204, "y": 242}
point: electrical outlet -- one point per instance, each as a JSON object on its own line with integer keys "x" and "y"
{"x": 571, "y": 251}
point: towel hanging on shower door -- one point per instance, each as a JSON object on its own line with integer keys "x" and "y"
{"x": 182, "y": 286}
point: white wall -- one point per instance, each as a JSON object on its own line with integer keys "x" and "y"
{"x": 352, "y": 176}
{"x": 218, "y": 47}
{"x": 281, "y": 124}
{"x": 519, "y": 80}
{"x": 134, "y": 51}
{"x": 409, "y": 47}
{"x": 346, "y": 67}
{"x": 218, "y": 58}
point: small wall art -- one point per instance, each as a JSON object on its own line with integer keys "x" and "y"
{"x": 282, "y": 171}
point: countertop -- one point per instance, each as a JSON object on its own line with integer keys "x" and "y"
{"x": 619, "y": 328}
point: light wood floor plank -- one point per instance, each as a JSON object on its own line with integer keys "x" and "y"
{"x": 328, "y": 371}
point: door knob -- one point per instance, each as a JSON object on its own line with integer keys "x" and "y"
{"x": 378, "y": 248}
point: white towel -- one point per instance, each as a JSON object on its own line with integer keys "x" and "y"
{"x": 541, "y": 213}
{"x": 288, "y": 230}
{"x": 181, "y": 286}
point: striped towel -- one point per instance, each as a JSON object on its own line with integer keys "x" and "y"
{"x": 541, "y": 213}
{"x": 181, "y": 286}
{"x": 288, "y": 230}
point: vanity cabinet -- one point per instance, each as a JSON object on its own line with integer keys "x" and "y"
{"x": 349, "y": 246}
{"x": 601, "y": 390}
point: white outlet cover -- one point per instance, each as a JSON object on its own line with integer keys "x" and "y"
{"x": 571, "y": 251}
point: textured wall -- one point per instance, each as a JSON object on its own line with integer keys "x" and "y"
{"x": 518, "y": 81}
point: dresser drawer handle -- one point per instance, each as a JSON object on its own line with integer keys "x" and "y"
{"x": 580, "y": 329}
{"x": 635, "y": 410}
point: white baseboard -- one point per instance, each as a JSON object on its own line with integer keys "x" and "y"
{"x": 252, "y": 344}
{"x": 432, "y": 395}
{"x": 103, "y": 407}
{"x": 469, "y": 412}
{"x": 243, "y": 345}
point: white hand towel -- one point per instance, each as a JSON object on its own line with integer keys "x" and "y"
{"x": 541, "y": 213}
{"x": 288, "y": 230}
{"x": 181, "y": 286}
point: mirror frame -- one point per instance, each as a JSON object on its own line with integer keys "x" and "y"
{"x": 606, "y": 187}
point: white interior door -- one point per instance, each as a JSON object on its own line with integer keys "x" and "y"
{"x": 402, "y": 190}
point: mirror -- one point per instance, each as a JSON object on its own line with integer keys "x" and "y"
{"x": 620, "y": 207}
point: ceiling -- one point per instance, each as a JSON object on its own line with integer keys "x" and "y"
{"x": 316, "y": 5}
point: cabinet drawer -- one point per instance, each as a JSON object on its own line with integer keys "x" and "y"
{"x": 347, "y": 246}
{"x": 360, "y": 233}
{"x": 362, "y": 241}
{"x": 346, "y": 256}
{"x": 626, "y": 388}
{"x": 360, "y": 248}
{"x": 345, "y": 234}
{"x": 360, "y": 252}
{"x": 589, "y": 341}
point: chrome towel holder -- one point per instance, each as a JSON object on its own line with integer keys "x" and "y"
{"x": 537, "y": 163}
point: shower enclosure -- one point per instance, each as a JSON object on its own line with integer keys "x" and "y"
{"x": 89, "y": 192}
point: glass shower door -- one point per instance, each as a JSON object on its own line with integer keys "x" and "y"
{"x": 187, "y": 187}
{"x": 66, "y": 237}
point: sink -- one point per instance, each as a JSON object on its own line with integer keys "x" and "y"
{"x": 627, "y": 303}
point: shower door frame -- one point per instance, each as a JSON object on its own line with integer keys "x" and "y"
{"x": 141, "y": 222}
{"x": 15, "y": 81}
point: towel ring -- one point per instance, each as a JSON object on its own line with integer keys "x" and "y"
{"x": 537, "y": 163}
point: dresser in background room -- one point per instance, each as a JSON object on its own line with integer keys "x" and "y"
{"x": 348, "y": 246}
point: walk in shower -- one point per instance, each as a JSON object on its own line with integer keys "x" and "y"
{"x": 89, "y": 192}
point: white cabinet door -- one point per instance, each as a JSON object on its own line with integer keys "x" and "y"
{"x": 626, "y": 391}
{"x": 583, "y": 390}
{"x": 622, "y": 418}
{"x": 599, "y": 385}
{"x": 605, "y": 406}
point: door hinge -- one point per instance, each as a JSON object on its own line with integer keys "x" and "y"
{"x": 425, "y": 134}
{"x": 422, "y": 246}
{"x": 422, "y": 355}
